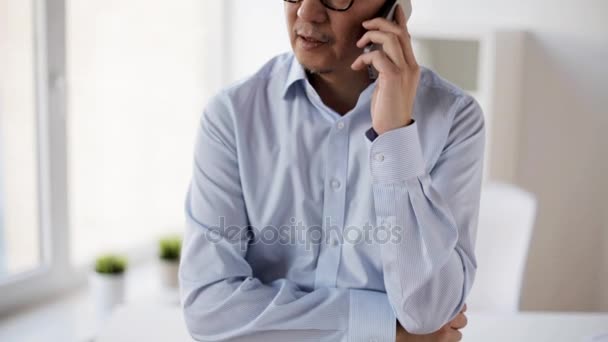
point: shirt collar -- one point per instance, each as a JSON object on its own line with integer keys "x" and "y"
{"x": 296, "y": 73}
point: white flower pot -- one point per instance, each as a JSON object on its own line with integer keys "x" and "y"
{"x": 108, "y": 291}
{"x": 168, "y": 273}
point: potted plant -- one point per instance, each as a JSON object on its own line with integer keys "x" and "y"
{"x": 169, "y": 251}
{"x": 108, "y": 282}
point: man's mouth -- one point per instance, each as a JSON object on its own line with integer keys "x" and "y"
{"x": 311, "y": 39}
{"x": 309, "y": 42}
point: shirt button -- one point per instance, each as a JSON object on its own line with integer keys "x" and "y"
{"x": 340, "y": 125}
{"x": 379, "y": 157}
{"x": 335, "y": 184}
{"x": 334, "y": 242}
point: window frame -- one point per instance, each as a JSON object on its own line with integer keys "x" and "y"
{"x": 54, "y": 270}
{"x": 55, "y": 274}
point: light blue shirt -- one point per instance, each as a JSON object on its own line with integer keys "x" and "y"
{"x": 301, "y": 228}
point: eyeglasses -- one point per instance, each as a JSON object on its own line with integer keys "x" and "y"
{"x": 335, "y": 5}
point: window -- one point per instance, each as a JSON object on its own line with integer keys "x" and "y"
{"x": 19, "y": 220}
{"x": 137, "y": 84}
{"x": 99, "y": 106}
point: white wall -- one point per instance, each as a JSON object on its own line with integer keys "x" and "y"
{"x": 258, "y": 32}
{"x": 604, "y": 270}
{"x": 565, "y": 116}
{"x": 563, "y": 135}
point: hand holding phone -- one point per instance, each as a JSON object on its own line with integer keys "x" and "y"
{"x": 388, "y": 51}
{"x": 387, "y": 11}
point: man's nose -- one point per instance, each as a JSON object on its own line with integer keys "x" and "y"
{"x": 312, "y": 11}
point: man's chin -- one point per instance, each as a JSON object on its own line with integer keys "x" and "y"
{"x": 313, "y": 67}
{"x": 314, "y": 71}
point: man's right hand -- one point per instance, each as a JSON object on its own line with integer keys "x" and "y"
{"x": 448, "y": 333}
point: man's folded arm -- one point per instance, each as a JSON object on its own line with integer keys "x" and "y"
{"x": 221, "y": 299}
{"x": 430, "y": 267}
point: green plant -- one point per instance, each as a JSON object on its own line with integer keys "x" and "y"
{"x": 170, "y": 248}
{"x": 110, "y": 264}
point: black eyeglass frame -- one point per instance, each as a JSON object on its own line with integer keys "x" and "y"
{"x": 350, "y": 4}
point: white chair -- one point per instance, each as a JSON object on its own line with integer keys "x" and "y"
{"x": 506, "y": 220}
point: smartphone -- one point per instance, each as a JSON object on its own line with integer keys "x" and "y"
{"x": 387, "y": 11}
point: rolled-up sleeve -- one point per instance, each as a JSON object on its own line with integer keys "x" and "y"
{"x": 429, "y": 266}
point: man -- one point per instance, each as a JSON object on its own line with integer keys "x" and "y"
{"x": 325, "y": 206}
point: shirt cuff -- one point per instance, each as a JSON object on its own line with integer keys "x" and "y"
{"x": 396, "y": 155}
{"x": 371, "y": 317}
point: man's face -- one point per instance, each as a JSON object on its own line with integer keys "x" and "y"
{"x": 338, "y": 32}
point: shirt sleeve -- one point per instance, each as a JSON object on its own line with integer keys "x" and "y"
{"x": 221, "y": 299}
{"x": 430, "y": 266}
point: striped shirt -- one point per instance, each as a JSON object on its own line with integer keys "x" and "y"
{"x": 304, "y": 226}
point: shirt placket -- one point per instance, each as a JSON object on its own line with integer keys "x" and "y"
{"x": 333, "y": 205}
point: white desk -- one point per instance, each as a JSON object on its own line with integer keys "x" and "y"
{"x": 157, "y": 323}
{"x": 536, "y": 326}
